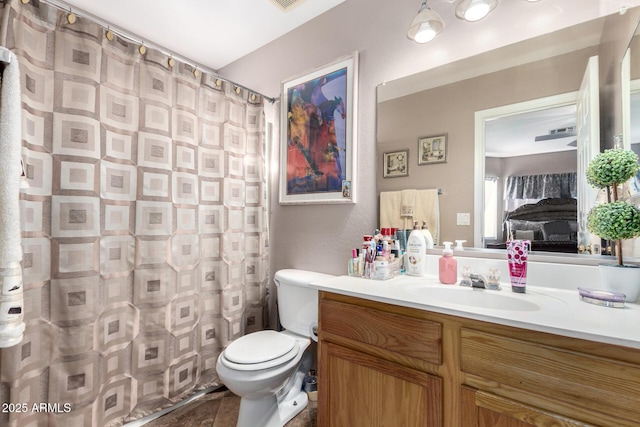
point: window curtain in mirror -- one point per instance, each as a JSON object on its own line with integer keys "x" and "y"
{"x": 144, "y": 225}
{"x": 520, "y": 190}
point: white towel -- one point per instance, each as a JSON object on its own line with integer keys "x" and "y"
{"x": 390, "y": 210}
{"x": 407, "y": 203}
{"x": 11, "y": 295}
{"x": 428, "y": 210}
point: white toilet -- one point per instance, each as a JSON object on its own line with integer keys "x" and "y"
{"x": 266, "y": 368}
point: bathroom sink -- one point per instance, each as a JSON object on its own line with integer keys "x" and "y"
{"x": 480, "y": 298}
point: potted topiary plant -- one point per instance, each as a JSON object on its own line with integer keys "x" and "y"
{"x": 615, "y": 220}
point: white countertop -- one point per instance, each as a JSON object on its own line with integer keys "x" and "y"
{"x": 557, "y": 311}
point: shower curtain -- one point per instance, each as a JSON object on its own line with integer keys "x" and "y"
{"x": 144, "y": 227}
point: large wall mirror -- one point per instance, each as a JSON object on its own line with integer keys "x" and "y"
{"x": 630, "y": 86}
{"x": 511, "y": 116}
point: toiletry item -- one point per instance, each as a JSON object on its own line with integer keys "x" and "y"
{"x": 493, "y": 279}
{"x": 427, "y": 235}
{"x": 517, "y": 251}
{"x": 416, "y": 253}
{"x": 393, "y": 232}
{"x": 386, "y": 249}
{"x": 459, "y": 246}
{"x": 466, "y": 276}
{"x": 447, "y": 266}
{"x": 354, "y": 265}
{"x": 600, "y": 297}
{"x": 401, "y": 238}
{"x": 382, "y": 270}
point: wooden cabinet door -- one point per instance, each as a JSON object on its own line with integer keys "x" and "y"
{"x": 358, "y": 390}
{"x": 482, "y": 409}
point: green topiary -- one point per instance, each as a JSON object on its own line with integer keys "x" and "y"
{"x": 612, "y": 167}
{"x": 615, "y": 220}
{"x": 618, "y": 219}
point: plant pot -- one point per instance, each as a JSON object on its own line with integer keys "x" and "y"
{"x": 621, "y": 278}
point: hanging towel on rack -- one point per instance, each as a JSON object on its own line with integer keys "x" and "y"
{"x": 390, "y": 202}
{"x": 11, "y": 295}
{"x": 407, "y": 203}
{"x": 428, "y": 210}
{"x": 394, "y": 207}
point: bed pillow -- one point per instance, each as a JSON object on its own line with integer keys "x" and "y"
{"x": 525, "y": 235}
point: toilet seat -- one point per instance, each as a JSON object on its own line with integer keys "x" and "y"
{"x": 260, "y": 350}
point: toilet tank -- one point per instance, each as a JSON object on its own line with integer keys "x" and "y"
{"x": 297, "y": 302}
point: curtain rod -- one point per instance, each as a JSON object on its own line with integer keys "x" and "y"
{"x": 65, "y": 7}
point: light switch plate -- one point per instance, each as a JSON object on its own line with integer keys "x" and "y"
{"x": 464, "y": 218}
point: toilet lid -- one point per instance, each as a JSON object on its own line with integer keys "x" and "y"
{"x": 259, "y": 347}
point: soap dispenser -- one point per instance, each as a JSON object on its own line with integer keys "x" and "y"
{"x": 447, "y": 266}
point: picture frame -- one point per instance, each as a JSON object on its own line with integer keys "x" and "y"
{"x": 318, "y": 134}
{"x": 395, "y": 164}
{"x": 432, "y": 149}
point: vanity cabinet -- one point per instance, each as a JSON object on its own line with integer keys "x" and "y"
{"x": 481, "y": 409}
{"x": 387, "y": 365}
{"x": 373, "y": 368}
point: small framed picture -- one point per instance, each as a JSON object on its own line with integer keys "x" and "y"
{"x": 432, "y": 149}
{"x": 395, "y": 163}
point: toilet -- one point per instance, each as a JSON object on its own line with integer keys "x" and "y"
{"x": 266, "y": 368}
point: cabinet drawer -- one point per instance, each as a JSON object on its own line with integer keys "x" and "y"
{"x": 416, "y": 338}
{"x": 593, "y": 383}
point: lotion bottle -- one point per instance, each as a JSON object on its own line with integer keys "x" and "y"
{"x": 427, "y": 235}
{"x": 447, "y": 266}
{"x": 416, "y": 253}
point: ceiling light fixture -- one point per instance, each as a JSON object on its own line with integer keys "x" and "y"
{"x": 426, "y": 25}
{"x": 474, "y": 10}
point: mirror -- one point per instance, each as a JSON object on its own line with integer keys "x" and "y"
{"x": 630, "y": 88}
{"x": 445, "y": 100}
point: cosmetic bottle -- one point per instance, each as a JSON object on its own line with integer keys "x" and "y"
{"x": 447, "y": 266}
{"x": 427, "y": 235}
{"x": 386, "y": 249}
{"x": 416, "y": 253}
{"x": 517, "y": 251}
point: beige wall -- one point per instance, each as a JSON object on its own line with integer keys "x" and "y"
{"x": 319, "y": 237}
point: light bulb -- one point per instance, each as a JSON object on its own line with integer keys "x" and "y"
{"x": 476, "y": 12}
{"x": 425, "y": 33}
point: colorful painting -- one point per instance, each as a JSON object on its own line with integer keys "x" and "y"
{"x": 318, "y": 126}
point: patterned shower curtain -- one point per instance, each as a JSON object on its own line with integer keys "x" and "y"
{"x": 144, "y": 225}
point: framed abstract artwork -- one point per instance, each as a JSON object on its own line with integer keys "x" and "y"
{"x": 318, "y": 134}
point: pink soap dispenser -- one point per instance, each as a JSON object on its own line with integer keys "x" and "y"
{"x": 447, "y": 266}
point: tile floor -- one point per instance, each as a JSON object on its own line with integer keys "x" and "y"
{"x": 220, "y": 409}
